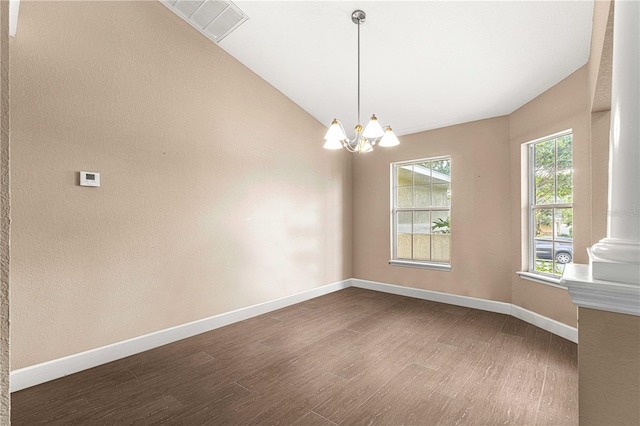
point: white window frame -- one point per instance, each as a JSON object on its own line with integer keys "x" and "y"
{"x": 531, "y": 274}
{"x": 424, "y": 264}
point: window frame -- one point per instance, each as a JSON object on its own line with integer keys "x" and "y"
{"x": 531, "y": 273}
{"x": 414, "y": 263}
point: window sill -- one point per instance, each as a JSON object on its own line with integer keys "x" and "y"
{"x": 422, "y": 265}
{"x": 542, "y": 279}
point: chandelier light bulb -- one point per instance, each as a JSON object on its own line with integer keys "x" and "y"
{"x": 373, "y": 129}
{"x": 335, "y": 131}
{"x": 332, "y": 144}
{"x": 389, "y": 139}
{"x": 365, "y": 145}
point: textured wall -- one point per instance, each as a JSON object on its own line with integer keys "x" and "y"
{"x": 487, "y": 239}
{"x": 5, "y": 214}
{"x": 609, "y": 350}
{"x": 600, "y": 67}
{"x": 601, "y": 55}
{"x": 564, "y": 106}
{"x": 487, "y": 210}
{"x": 216, "y": 193}
{"x": 479, "y": 214}
{"x": 600, "y": 125}
{"x": 609, "y": 355}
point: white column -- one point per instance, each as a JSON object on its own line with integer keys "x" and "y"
{"x": 617, "y": 257}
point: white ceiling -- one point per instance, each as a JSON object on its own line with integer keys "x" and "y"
{"x": 425, "y": 64}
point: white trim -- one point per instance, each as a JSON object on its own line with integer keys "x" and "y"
{"x": 528, "y": 232}
{"x": 588, "y": 292}
{"x": 50, "y": 370}
{"x": 419, "y": 160}
{"x": 556, "y": 327}
{"x": 540, "y": 321}
{"x": 553, "y": 136}
{"x": 54, "y": 369}
{"x": 435, "y": 296}
{"x": 423, "y": 265}
{"x": 14, "y": 7}
{"x": 395, "y": 209}
{"x": 541, "y": 279}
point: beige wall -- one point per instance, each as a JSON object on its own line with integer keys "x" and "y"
{"x": 487, "y": 208}
{"x": 600, "y": 55}
{"x": 609, "y": 355}
{"x": 5, "y": 214}
{"x": 600, "y": 67}
{"x": 480, "y": 197}
{"x": 609, "y": 350}
{"x": 564, "y": 106}
{"x": 600, "y": 125}
{"x": 214, "y": 195}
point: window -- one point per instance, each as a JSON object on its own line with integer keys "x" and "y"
{"x": 421, "y": 213}
{"x": 551, "y": 204}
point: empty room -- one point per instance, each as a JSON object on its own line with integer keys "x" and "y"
{"x": 319, "y": 212}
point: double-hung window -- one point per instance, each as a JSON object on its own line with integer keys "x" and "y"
{"x": 551, "y": 204}
{"x": 421, "y": 213}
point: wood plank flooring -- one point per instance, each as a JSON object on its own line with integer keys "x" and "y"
{"x": 354, "y": 357}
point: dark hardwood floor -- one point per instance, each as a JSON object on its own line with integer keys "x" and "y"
{"x": 354, "y": 357}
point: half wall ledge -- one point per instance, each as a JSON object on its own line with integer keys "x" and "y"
{"x": 589, "y": 292}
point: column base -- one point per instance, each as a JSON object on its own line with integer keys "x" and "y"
{"x": 615, "y": 260}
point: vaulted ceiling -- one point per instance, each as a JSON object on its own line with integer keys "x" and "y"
{"x": 424, "y": 64}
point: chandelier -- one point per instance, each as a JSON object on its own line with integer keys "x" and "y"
{"x": 374, "y": 133}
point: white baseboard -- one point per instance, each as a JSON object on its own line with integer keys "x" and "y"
{"x": 436, "y": 296}
{"x": 545, "y": 323}
{"x": 548, "y": 324}
{"x": 50, "y": 370}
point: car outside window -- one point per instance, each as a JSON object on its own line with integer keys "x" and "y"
{"x": 551, "y": 204}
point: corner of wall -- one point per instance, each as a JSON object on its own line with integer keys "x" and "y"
{"x": 5, "y": 214}
{"x": 601, "y": 56}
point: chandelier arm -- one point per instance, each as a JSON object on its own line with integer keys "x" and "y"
{"x": 345, "y": 133}
{"x": 349, "y": 148}
{"x": 348, "y": 144}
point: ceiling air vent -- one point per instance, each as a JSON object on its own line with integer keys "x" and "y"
{"x": 213, "y": 18}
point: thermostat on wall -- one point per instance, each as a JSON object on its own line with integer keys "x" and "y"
{"x": 89, "y": 179}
